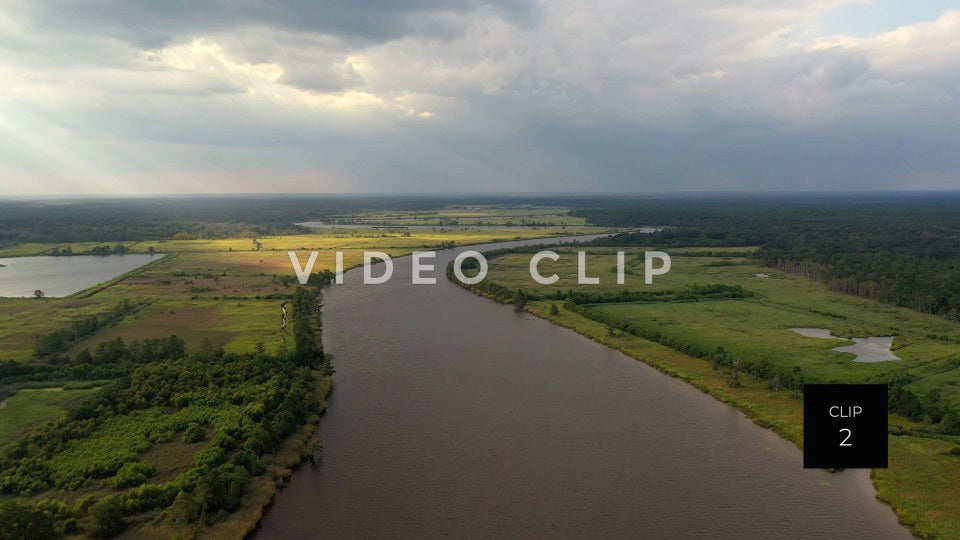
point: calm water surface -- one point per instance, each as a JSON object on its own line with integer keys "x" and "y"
{"x": 454, "y": 416}
{"x": 61, "y": 276}
{"x": 868, "y": 349}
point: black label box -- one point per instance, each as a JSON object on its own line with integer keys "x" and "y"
{"x": 844, "y": 426}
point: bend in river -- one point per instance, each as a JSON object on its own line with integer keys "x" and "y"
{"x": 457, "y": 416}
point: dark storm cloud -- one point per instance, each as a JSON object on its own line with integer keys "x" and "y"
{"x": 153, "y": 24}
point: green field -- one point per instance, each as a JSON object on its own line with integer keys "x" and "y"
{"x": 30, "y": 407}
{"x": 924, "y": 464}
{"x": 758, "y": 328}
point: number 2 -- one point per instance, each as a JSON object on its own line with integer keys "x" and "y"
{"x": 847, "y": 438}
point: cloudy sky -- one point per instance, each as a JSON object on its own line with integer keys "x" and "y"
{"x": 147, "y": 96}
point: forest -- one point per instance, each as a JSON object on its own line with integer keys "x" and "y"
{"x": 189, "y": 218}
{"x": 896, "y": 249}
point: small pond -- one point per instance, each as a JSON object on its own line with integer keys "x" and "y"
{"x": 63, "y": 276}
{"x": 867, "y": 349}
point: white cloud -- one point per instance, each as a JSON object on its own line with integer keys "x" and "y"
{"x": 493, "y": 94}
{"x": 207, "y": 62}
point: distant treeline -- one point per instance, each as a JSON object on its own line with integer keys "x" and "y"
{"x": 118, "y": 249}
{"x": 206, "y": 217}
{"x": 115, "y": 220}
{"x": 898, "y": 249}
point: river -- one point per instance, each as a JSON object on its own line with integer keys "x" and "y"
{"x": 453, "y": 415}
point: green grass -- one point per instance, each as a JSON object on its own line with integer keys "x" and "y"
{"x": 922, "y": 478}
{"x": 754, "y": 331}
{"x": 30, "y": 407}
{"x": 759, "y": 328}
{"x": 23, "y": 318}
{"x": 921, "y": 484}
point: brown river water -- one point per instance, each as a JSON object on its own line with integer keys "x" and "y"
{"x": 455, "y": 416}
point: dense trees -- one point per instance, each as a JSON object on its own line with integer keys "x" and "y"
{"x": 247, "y": 403}
{"x": 106, "y": 518}
{"x": 152, "y": 219}
{"x": 160, "y": 218}
{"x": 24, "y": 521}
{"x": 117, "y": 249}
{"x": 896, "y": 249}
{"x": 307, "y": 327}
{"x": 236, "y": 408}
{"x": 520, "y": 300}
{"x": 149, "y": 350}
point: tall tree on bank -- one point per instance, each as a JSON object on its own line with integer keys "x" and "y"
{"x": 307, "y": 328}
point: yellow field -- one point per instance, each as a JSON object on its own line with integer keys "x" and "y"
{"x": 332, "y": 239}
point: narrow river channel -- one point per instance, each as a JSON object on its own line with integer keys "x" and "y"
{"x": 453, "y": 415}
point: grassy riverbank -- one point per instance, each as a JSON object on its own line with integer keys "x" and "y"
{"x": 756, "y": 328}
{"x": 920, "y": 483}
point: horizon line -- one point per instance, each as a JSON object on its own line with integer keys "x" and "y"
{"x": 503, "y": 194}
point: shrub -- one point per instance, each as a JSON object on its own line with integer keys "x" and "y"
{"x": 25, "y": 522}
{"x": 194, "y": 433}
{"x": 184, "y": 510}
{"x": 106, "y": 518}
{"x": 131, "y": 474}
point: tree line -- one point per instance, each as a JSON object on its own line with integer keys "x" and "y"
{"x": 164, "y": 218}
{"x": 896, "y": 249}
{"x": 61, "y": 340}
